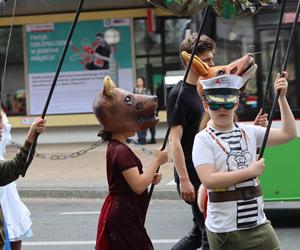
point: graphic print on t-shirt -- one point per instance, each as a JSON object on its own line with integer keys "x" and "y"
{"x": 238, "y": 157}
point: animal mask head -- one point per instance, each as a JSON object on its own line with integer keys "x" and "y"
{"x": 121, "y": 111}
{"x": 244, "y": 67}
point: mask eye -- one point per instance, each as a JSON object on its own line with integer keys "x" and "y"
{"x": 127, "y": 100}
{"x": 220, "y": 72}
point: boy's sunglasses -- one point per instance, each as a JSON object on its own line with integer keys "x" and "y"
{"x": 216, "y": 106}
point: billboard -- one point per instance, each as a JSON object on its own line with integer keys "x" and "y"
{"x": 97, "y": 48}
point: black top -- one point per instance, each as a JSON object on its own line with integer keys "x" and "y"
{"x": 104, "y": 51}
{"x": 188, "y": 115}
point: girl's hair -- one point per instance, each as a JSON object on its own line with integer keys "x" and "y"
{"x": 204, "y": 121}
{"x": 205, "y": 117}
{"x": 105, "y": 135}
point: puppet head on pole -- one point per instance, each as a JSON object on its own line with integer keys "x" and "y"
{"x": 243, "y": 67}
{"x": 118, "y": 110}
{"x": 228, "y": 9}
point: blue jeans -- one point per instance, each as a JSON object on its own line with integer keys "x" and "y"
{"x": 141, "y": 137}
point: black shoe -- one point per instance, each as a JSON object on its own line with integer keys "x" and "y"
{"x": 192, "y": 241}
{"x": 152, "y": 141}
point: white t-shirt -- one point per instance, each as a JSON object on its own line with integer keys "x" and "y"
{"x": 231, "y": 151}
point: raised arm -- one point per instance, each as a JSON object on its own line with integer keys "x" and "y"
{"x": 288, "y": 130}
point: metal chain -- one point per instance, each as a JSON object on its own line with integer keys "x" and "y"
{"x": 63, "y": 156}
{"x": 144, "y": 149}
{"x": 137, "y": 145}
{"x": 84, "y": 151}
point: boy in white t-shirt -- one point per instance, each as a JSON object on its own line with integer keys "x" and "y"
{"x": 224, "y": 155}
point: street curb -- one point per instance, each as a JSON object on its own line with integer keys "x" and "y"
{"x": 86, "y": 193}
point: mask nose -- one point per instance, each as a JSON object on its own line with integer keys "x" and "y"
{"x": 139, "y": 106}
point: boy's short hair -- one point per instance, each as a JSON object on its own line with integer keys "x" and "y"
{"x": 205, "y": 44}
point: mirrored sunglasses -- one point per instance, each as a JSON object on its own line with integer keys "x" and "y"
{"x": 216, "y": 106}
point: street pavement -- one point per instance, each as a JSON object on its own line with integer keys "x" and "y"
{"x": 83, "y": 176}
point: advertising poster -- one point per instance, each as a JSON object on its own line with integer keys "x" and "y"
{"x": 98, "y": 48}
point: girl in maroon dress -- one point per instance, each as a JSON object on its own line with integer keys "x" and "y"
{"x": 122, "y": 218}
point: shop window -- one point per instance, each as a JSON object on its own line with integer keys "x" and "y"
{"x": 173, "y": 63}
{"x": 158, "y": 52}
{"x": 146, "y": 43}
{"x": 174, "y": 34}
{"x": 267, "y": 44}
{"x": 13, "y": 95}
{"x": 233, "y": 40}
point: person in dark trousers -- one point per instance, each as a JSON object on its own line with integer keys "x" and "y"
{"x": 184, "y": 126}
{"x": 141, "y": 89}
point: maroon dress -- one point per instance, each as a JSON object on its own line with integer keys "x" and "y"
{"x": 122, "y": 218}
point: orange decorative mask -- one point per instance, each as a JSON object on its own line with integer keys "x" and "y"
{"x": 244, "y": 67}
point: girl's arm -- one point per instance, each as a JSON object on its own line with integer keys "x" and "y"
{"x": 288, "y": 131}
{"x": 211, "y": 178}
{"x": 139, "y": 182}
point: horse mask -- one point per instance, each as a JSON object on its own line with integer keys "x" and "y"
{"x": 118, "y": 110}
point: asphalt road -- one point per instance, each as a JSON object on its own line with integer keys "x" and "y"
{"x": 65, "y": 224}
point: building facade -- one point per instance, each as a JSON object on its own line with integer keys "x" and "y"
{"x": 131, "y": 51}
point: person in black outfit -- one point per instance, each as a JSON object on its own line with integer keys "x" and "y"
{"x": 184, "y": 126}
{"x": 101, "y": 54}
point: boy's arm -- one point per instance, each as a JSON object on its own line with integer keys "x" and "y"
{"x": 187, "y": 189}
{"x": 211, "y": 178}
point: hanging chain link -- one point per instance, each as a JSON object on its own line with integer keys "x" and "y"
{"x": 84, "y": 151}
{"x": 63, "y": 156}
{"x": 145, "y": 150}
{"x": 141, "y": 147}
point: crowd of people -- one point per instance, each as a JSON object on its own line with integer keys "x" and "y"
{"x": 216, "y": 167}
